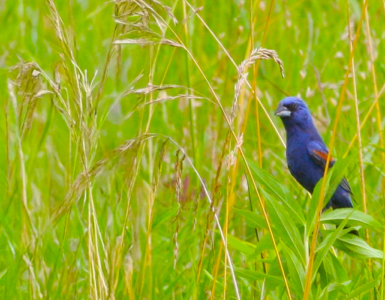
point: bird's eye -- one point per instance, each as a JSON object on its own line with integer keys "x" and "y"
{"x": 293, "y": 106}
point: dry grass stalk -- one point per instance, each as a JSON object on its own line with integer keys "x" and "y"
{"x": 216, "y": 218}
{"x": 162, "y": 97}
{"x": 83, "y": 180}
{"x": 158, "y": 172}
{"x": 84, "y": 133}
{"x": 178, "y": 186}
{"x": 215, "y": 196}
{"x": 128, "y": 272}
{"x": 152, "y": 88}
{"x": 35, "y": 283}
{"x": 31, "y": 87}
{"x": 134, "y": 17}
{"x": 60, "y": 32}
{"x": 147, "y": 42}
{"x": 23, "y": 173}
{"x": 255, "y": 55}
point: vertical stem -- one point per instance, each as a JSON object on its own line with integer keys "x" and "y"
{"x": 377, "y": 106}
{"x": 358, "y": 123}
{"x": 257, "y": 115}
{"x": 191, "y": 101}
{"x": 309, "y": 274}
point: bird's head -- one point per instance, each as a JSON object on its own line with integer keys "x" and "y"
{"x": 294, "y": 112}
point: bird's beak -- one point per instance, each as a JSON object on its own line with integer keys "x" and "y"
{"x": 282, "y": 112}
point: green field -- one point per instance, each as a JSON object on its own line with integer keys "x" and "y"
{"x": 140, "y": 157}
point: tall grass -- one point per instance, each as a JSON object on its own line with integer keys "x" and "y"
{"x": 140, "y": 158}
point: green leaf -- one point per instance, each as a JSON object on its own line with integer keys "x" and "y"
{"x": 252, "y": 219}
{"x": 332, "y": 287}
{"x": 334, "y": 267}
{"x": 326, "y": 244}
{"x": 240, "y": 245}
{"x": 324, "y": 249}
{"x": 284, "y": 226}
{"x": 362, "y": 289}
{"x": 252, "y": 275}
{"x": 335, "y": 273}
{"x": 356, "y": 218}
{"x": 265, "y": 243}
{"x": 296, "y": 270}
{"x": 354, "y": 246}
{"x": 279, "y": 191}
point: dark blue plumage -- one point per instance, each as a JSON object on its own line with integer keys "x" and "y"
{"x": 306, "y": 152}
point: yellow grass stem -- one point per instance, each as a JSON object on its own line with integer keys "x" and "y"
{"x": 147, "y": 261}
{"x": 253, "y": 20}
{"x": 216, "y": 268}
{"x": 230, "y": 192}
{"x": 249, "y": 49}
{"x": 383, "y": 247}
{"x": 358, "y": 123}
{"x": 264, "y": 212}
{"x": 377, "y": 105}
{"x": 365, "y": 119}
{"x": 309, "y": 272}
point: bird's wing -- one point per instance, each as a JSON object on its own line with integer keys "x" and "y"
{"x": 319, "y": 153}
{"x": 345, "y": 185}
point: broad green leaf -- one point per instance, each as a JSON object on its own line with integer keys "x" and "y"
{"x": 362, "y": 289}
{"x": 356, "y": 245}
{"x": 264, "y": 243}
{"x": 335, "y": 272}
{"x": 326, "y": 244}
{"x": 356, "y": 218}
{"x": 332, "y": 287}
{"x": 296, "y": 270}
{"x": 279, "y": 191}
{"x": 242, "y": 246}
{"x": 284, "y": 226}
{"x": 252, "y": 219}
{"x": 252, "y": 275}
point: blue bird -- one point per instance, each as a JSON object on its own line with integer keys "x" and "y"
{"x": 306, "y": 152}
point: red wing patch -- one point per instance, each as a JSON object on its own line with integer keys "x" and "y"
{"x": 323, "y": 155}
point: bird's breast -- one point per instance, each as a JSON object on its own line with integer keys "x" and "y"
{"x": 301, "y": 165}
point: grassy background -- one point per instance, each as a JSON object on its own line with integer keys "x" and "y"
{"x": 98, "y": 199}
